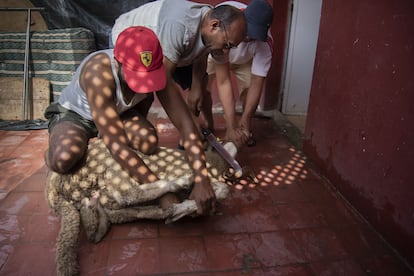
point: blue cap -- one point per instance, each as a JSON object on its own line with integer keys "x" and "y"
{"x": 259, "y": 16}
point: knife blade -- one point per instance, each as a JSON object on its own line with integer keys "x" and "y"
{"x": 213, "y": 141}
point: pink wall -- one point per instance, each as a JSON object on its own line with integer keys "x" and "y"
{"x": 360, "y": 126}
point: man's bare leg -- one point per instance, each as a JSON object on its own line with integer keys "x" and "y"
{"x": 207, "y": 103}
{"x": 207, "y": 110}
{"x": 247, "y": 118}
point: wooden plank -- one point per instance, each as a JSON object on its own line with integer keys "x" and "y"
{"x": 11, "y": 94}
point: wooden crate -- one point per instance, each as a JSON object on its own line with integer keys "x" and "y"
{"x": 11, "y": 98}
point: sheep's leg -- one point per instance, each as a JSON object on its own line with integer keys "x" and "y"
{"x": 179, "y": 210}
{"x": 189, "y": 207}
{"x": 133, "y": 214}
{"x": 173, "y": 213}
{"x": 93, "y": 218}
{"x": 68, "y": 238}
{"x": 150, "y": 191}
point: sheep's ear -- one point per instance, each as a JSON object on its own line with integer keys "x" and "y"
{"x": 231, "y": 148}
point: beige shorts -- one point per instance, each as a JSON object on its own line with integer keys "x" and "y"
{"x": 242, "y": 73}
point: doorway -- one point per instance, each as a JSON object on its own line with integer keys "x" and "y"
{"x": 301, "y": 52}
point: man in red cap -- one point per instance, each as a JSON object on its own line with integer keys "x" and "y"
{"x": 110, "y": 95}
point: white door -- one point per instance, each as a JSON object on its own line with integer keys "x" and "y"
{"x": 303, "y": 39}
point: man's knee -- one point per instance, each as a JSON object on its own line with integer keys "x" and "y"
{"x": 150, "y": 146}
{"x": 146, "y": 140}
{"x": 62, "y": 161}
{"x": 67, "y": 146}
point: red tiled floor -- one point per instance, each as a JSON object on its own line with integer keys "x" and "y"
{"x": 290, "y": 223}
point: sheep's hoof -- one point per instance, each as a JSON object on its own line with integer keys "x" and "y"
{"x": 180, "y": 210}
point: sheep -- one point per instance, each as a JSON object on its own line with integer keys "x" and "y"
{"x": 100, "y": 193}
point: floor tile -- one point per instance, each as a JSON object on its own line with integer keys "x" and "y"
{"x": 277, "y": 249}
{"x": 25, "y": 203}
{"x": 182, "y": 255}
{"x": 93, "y": 259}
{"x": 30, "y": 259}
{"x": 384, "y": 265}
{"x": 247, "y": 272}
{"x": 289, "y": 270}
{"x": 39, "y": 228}
{"x": 133, "y": 257}
{"x": 319, "y": 244}
{"x": 301, "y": 215}
{"x": 230, "y": 251}
{"x": 185, "y": 228}
{"x": 136, "y": 230}
{"x": 12, "y": 229}
{"x": 336, "y": 268}
{"x": 359, "y": 241}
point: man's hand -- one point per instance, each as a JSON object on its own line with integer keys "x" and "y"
{"x": 194, "y": 101}
{"x": 204, "y": 196}
{"x": 179, "y": 114}
{"x": 237, "y": 135}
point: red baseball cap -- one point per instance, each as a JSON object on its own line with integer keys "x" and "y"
{"x": 139, "y": 51}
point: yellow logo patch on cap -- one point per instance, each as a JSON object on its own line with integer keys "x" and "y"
{"x": 146, "y": 58}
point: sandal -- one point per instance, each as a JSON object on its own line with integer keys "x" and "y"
{"x": 251, "y": 142}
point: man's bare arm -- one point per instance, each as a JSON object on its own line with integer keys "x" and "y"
{"x": 226, "y": 97}
{"x": 177, "y": 110}
{"x": 195, "y": 96}
{"x": 98, "y": 82}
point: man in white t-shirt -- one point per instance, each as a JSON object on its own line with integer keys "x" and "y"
{"x": 187, "y": 32}
{"x": 249, "y": 62}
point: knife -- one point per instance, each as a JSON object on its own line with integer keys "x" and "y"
{"x": 213, "y": 141}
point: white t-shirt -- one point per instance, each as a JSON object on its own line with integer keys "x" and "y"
{"x": 74, "y": 98}
{"x": 258, "y": 52}
{"x": 176, "y": 24}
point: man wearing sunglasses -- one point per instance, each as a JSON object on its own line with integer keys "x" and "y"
{"x": 249, "y": 62}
